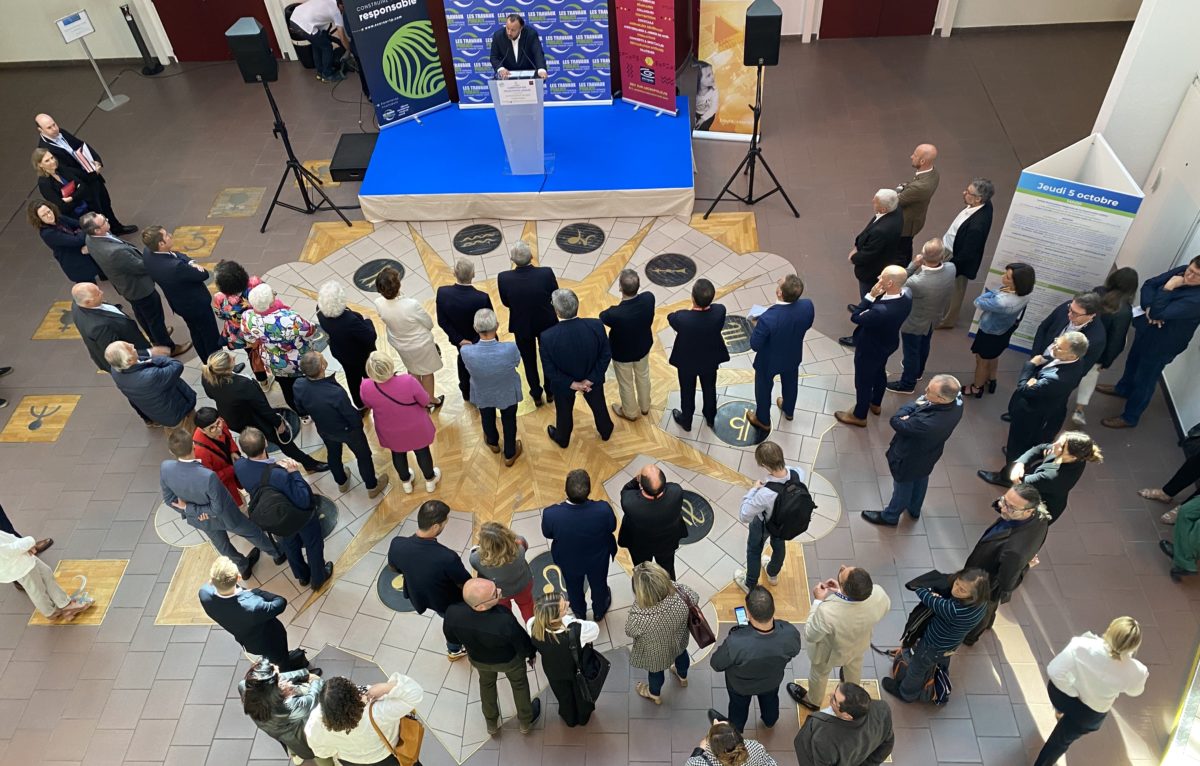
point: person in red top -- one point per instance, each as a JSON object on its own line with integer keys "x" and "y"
{"x": 216, "y": 448}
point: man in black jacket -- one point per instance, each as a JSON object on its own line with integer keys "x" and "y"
{"x": 496, "y": 643}
{"x": 183, "y": 284}
{"x": 877, "y": 244}
{"x": 250, "y": 616}
{"x": 338, "y": 423}
{"x": 965, "y": 240}
{"x": 922, "y": 428}
{"x": 433, "y": 574}
{"x": 652, "y": 523}
{"x": 100, "y": 324}
{"x": 1008, "y": 548}
{"x": 78, "y": 155}
{"x": 698, "y": 352}
{"x": 856, "y": 732}
{"x": 517, "y": 49}
{"x": 879, "y": 317}
{"x": 455, "y": 308}
{"x": 526, "y": 291}
{"x": 630, "y": 336}
{"x": 575, "y": 356}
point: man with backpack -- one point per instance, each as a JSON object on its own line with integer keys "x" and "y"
{"x": 777, "y": 508}
{"x": 281, "y": 502}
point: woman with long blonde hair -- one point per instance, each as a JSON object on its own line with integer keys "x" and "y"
{"x": 500, "y": 557}
{"x": 658, "y": 625}
{"x": 553, "y": 629}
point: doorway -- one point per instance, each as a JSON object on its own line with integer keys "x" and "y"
{"x": 877, "y": 18}
{"x": 197, "y": 29}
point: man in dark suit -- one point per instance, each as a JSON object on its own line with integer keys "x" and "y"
{"x": 100, "y": 324}
{"x": 698, "y": 351}
{"x": 630, "y": 337}
{"x": 526, "y": 291}
{"x": 652, "y": 518}
{"x": 778, "y": 343}
{"x": 877, "y": 245}
{"x": 964, "y": 242}
{"x": 856, "y": 730}
{"x": 914, "y": 197}
{"x": 455, "y": 308}
{"x": 575, "y": 356}
{"x": 877, "y": 336}
{"x": 183, "y": 283}
{"x": 250, "y": 616}
{"x": 71, "y": 152}
{"x": 1008, "y": 548}
{"x": 922, "y": 428}
{"x": 433, "y": 574}
{"x": 582, "y": 544}
{"x": 517, "y": 49}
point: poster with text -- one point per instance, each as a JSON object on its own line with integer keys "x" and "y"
{"x": 725, "y": 86}
{"x": 399, "y": 56}
{"x": 646, "y": 40}
{"x": 574, "y": 37}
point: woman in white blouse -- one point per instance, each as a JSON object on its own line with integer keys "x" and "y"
{"x": 409, "y": 331}
{"x": 553, "y": 628}
{"x": 340, "y": 725}
{"x": 1085, "y": 680}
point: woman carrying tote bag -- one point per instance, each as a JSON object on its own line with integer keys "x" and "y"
{"x": 365, "y": 726}
{"x": 555, "y": 631}
{"x": 658, "y": 625}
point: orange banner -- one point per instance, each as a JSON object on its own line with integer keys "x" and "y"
{"x": 726, "y": 86}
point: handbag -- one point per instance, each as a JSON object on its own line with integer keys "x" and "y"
{"x": 696, "y": 622}
{"x": 935, "y": 688}
{"x": 408, "y": 747}
{"x": 591, "y": 667}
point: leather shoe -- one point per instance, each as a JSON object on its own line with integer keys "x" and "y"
{"x": 280, "y": 559}
{"x": 316, "y": 672}
{"x": 251, "y": 559}
{"x": 126, "y": 229}
{"x": 715, "y": 715}
{"x": 1006, "y": 417}
{"x": 619, "y": 412}
{"x": 677, "y": 416}
{"x": 994, "y": 477}
{"x": 799, "y": 695}
{"x": 847, "y": 417}
{"x": 1167, "y": 547}
{"x": 877, "y": 518}
{"x": 851, "y": 307}
{"x": 549, "y": 398}
{"x": 495, "y": 448}
{"x": 42, "y": 545}
{"x": 508, "y": 461}
{"x": 181, "y": 348}
{"x": 237, "y": 368}
{"x": 552, "y": 432}
{"x": 1106, "y": 388}
{"x": 1117, "y": 422}
{"x": 1177, "y": 575}
{"x": 890, "y": 686}
{"x": 753, "y": 420}
{"x": 779, "y": 404}
{"x": 876, "y": 409}
{"x": 847, "y": 341}
{"x": 537, "y": 713}
{"x": 317, "y": 468}
{"x": 537, "y": 401}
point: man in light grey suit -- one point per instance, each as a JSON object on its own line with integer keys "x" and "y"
{"x": 204, "y": 503}
{"x": 931, "y": 283}
{"x": 495, "y": 384}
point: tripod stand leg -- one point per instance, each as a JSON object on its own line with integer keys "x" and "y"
{"x": 275, "y": 200}
{"x": 778, "y": 186}
{"x": 317, "y": 185}
{"x": 725, "y": 188}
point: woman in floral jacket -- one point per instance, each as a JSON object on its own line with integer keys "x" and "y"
{"x": 282, "y": 336}
{"x": 229, "y": 303}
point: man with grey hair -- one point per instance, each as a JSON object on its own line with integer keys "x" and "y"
{"x": 914, "y": 197}
{"x": 965, "y": 240}
{"x": 575, "y": 356}
{"x": 877, "y": 336}
{"x": 922, "y": 428}
{"x": 153, "y": 385}
{"x": 630, "y": 337}
{"x": 525, "y": 291}
{"x": 876, "y": 245}
{"x": 931, "y": 285}
{"x": 495, "y": 384}
{"x": 456, "y": 306}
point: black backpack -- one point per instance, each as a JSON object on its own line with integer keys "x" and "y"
{"x": 793, "y": 508}
{"x": 273, "y": 512}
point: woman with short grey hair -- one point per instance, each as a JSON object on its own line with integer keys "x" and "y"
{"x": 351, "y": 336}
{"x": 283, "y": 337}
{"x": 495, "y": 384}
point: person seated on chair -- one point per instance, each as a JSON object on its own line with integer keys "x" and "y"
{"x": 515, "y": 49}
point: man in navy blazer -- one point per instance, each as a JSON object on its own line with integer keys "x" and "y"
{"x": 582, "y": 544}
{"x": 250, "y": 616}
{"x": 525, "y": 291}
{"x": 575, "y": 356}
{"x": 698, "y": 351}
{"x": 433, "y": 574}
{"x": 778, "y": 342}
{"x": 877, "y": 336}
{"x": 1080, "y": 314}
{"x": 183, "y": 284}
{"x": 456, "y": 305}
{"x": 630, "y": 337}
{"x": 922, "y": 428}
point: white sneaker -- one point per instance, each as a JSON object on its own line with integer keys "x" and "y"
{"x": 739, "y": 579}
{"x": 773, "y": 580}
{"x": 407, "y": 486}
{"x": 1077, "y": 418}
{"x": 431, "y": 484}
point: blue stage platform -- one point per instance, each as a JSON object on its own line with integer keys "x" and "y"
{"x": 608, "y": 161}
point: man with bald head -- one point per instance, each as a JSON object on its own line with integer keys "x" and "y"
{"x": 877, "y": 336}
{"x": 496, "y": 643}
{"x": 914, "y": 198}
{"x": 78, "y": 155}
{"x": 652, "y": 523}
{"x": 101, "y": 323}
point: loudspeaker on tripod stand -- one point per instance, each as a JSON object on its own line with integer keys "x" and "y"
{"x": 764, "y": 26}
{"x": 248, "y": 43}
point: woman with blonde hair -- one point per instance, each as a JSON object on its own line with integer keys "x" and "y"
{"x": 658, "y": 625}
{"x": 1085, "y": 680}
{"x": 500, "y": 557}
{"x": 724, "y": 746}
{"x": 553, "y": 629}
{"x": 1054, "y": 469}
{"x": 398, "y": 404}
{"x": 409, "y": 331}
{"x": 66, "y": 187}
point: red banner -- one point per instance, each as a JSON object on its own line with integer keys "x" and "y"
{"x": 646, "y": 40}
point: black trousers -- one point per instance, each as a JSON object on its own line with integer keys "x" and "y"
{"x": 1078, "y": 719}
{"x": 148, "y": 312}
{"x": 572, "y": 707}
{"x": 527, "y": 345}
{"x": 464, "y": 379}
{"x": 1185, "y": 477}
{"x": 424, "y": 462}
{"x": 904, "y": 251}
{"x": 202, "y": 327}
{"x": 96, "y": 181}
{"x": 5, "y": 524}
{"x": 564, "y": 418}
{"x": 508, "y": 421}
{"x": 665, "y": 558}
{"x": 357, "y": 442}
{"x": 708, "y": 393}
{"x": 596, "y": 573}
{"x": 291, "y": 449}
{"x": 287, "y": 385}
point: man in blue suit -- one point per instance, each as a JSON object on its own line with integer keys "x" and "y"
{"x": 203, "y": 502}
{"x": 575, "y": 357}
{"x": 250, "y": 616}
{"x": 698, "y": 352}
{"x": 456, "y": 305}
{"x": 877, "y": 336}
{"x": 526, "y": 291}
{"x": 580, "y": 532}
{"x": 183, "y": 284}
{"x": 778, "y": 342}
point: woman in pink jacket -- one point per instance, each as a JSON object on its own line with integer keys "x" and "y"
{"x": 399, "y": 406}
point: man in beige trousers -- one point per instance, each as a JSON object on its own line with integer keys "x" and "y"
{"x": 630, "y": 336}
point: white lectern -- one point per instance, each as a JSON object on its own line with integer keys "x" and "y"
{"x": 519, "y": 105}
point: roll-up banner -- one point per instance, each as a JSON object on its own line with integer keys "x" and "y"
{"x": 574, "y": 36}
{"x": 725, "y": 86}
{"x": 399, "y": 55}
{"x": 646, "y": 40}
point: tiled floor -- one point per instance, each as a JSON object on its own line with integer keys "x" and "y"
{"x": 841, "y": 118}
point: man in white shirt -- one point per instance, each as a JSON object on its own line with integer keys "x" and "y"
{"x": 319, "y": 21}
{"x": 965, "y": 239}
{"x": 517, "y": 48}
{"x": 756, "y": 510}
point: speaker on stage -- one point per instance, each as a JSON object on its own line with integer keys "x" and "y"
{"x": 248, "y": 42}
{"x": 764, "y": 25}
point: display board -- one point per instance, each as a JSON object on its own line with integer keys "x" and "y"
{"x": 725, "y": 86}
{"x": 646, "y": 40}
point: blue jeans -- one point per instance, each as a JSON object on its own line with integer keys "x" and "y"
{"x": 756, "y": 540}
{"x": 789, "y": 381}
{"x": 739, "y": 708}
{"x": 1142, "y": 371}
{"x": 658, "y": 677}
{"x": 450, "y": 647}
{"x": 322, "y": 49}
{"x": 906, "y": 496}
{"x": 919, "y": 668}
{"x": 916, "y": 353}
{"x": 310, "y": 541}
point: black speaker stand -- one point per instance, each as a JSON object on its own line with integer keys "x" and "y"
{"x": 305, "y": 178}
{"x": 754, "y": 155}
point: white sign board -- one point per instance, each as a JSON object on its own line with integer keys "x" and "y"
{"x": 75, "y": 26}
{"x": 513, "y": 92}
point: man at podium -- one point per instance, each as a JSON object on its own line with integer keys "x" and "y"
{"x": 516, "y": 49}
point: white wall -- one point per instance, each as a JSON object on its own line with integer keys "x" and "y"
{"x": 1007, "y": 13}
{"x": 29, "y": 33}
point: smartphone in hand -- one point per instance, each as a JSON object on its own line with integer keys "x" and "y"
{"x": 740, "y": 613}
